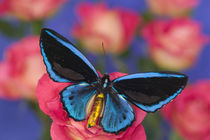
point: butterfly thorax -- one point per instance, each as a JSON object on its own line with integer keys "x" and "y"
{"x": 104, "y": 83}
{"x": 98, "y": 105}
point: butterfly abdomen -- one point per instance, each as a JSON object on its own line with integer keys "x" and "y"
{"x": 96, "y": 110}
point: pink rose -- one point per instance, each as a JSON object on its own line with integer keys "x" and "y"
{"x": 30, "y": 9}
{"x": 21, "y": 68}
{"x": 189, "y": 114}
{"x": 174, "y": 44}
{"x": 65, "y": 128}
{"x": 114, "y": 27}
{"x": 172, "y": 7}
{"x": 3, "y": 8}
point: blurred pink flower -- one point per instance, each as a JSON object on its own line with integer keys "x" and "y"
{"x": 21, "y": 68}
{"x": 114, "y": 27}
{"x": 174, "y": 44}
{"x": 30, "y": 9}
{"x": 189, "y": 114}
{"x": 3, "y": 8}
{"x": 172, "y": 7}
{"x": 65, "y": 128}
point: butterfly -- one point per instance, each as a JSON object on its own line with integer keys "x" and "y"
{"x": 98, "y": 99}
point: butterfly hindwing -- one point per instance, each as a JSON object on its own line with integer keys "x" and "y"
{"x": 118, "y": 113}
{"x": 150, "y": 91}
{"x": 63, "y": 61}
{"x": 75, "y": 99}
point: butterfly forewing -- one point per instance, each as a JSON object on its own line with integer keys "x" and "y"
{"x": 150, "y": 91}
{"x": 63, "y": 61}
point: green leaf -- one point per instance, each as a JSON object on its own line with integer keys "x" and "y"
{"x": 119, "y": 63}
{"x": 152, "y": 126}
{"x": 37, "y": 26}
{"x": 146, "y": 64}
{"x": 147, "y": 16}
{"x": 12, "y": 31}
{"x": 175, "y": 136}
{"x": 100, "y": 64}
{"x": 126, "y": 53}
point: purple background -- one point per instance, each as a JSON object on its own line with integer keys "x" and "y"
{"x": 18, "y": 122}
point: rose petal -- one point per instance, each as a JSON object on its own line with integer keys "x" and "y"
{"x": 23, "y": 10}
{"x": 189, "y": 112}
{"x": 49, "y": 98}
{"x": 21, "y": 68}
{"x": 174, "y": 44}
{"x": 114, "y": 27}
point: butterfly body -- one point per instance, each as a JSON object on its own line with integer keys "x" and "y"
{"x": 103, "y": 87}
{"x": 96, "y": 111}
{"x": 98, "y": 99}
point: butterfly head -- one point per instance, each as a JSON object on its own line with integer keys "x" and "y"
{"x": 105, "y": 81}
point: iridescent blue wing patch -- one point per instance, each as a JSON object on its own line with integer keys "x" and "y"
{"x": 118, "y": 113}
{"x": 63, "y": 61}
{"x": 75, "y": 99}
{"x": 150, "y": 91}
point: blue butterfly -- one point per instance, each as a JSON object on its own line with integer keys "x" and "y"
{"x": 100, "y": 100}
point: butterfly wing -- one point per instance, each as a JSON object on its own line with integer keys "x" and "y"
{"x": 63, "y": 61}
{"x": 118, "y": 113}
{"x": 150, "y": 91}
{"x": 75, "y": 98}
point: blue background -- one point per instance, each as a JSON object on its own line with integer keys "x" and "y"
{"x": 18, "y": 122}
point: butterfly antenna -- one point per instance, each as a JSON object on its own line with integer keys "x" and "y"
{"x": 104, "y": 58}
{"x": 103, "y": 48}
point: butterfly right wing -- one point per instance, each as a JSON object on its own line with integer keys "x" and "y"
{"x": 75, "y": 99}
{"x": 118, "y": 113}
{"x": 63, "y": 61}
{"x": 152, "y": 90}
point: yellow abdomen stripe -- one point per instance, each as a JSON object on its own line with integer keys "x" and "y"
{"x": 96, "y": 110}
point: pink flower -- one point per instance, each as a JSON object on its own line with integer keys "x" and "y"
{"x": 174, "y": 44}
{"x": 21, "y": 68}
{"x": 189, "y": 114}
{"x": 65, "y": 128}
{"x": 172, "y": 7}
{"x": 114, "y": 27}
{"x": 30, "y": 9}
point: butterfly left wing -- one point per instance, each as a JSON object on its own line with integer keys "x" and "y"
{"x": 150, "y": 91}
{"x": 75, "y": 99}
{"x": 118, "y": 113}
{"x": 63, "y": 61}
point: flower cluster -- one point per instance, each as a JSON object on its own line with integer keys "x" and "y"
{"x": 174, "y": 41}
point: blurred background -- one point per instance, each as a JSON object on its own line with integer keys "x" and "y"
{"x": 138, "y": 36}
